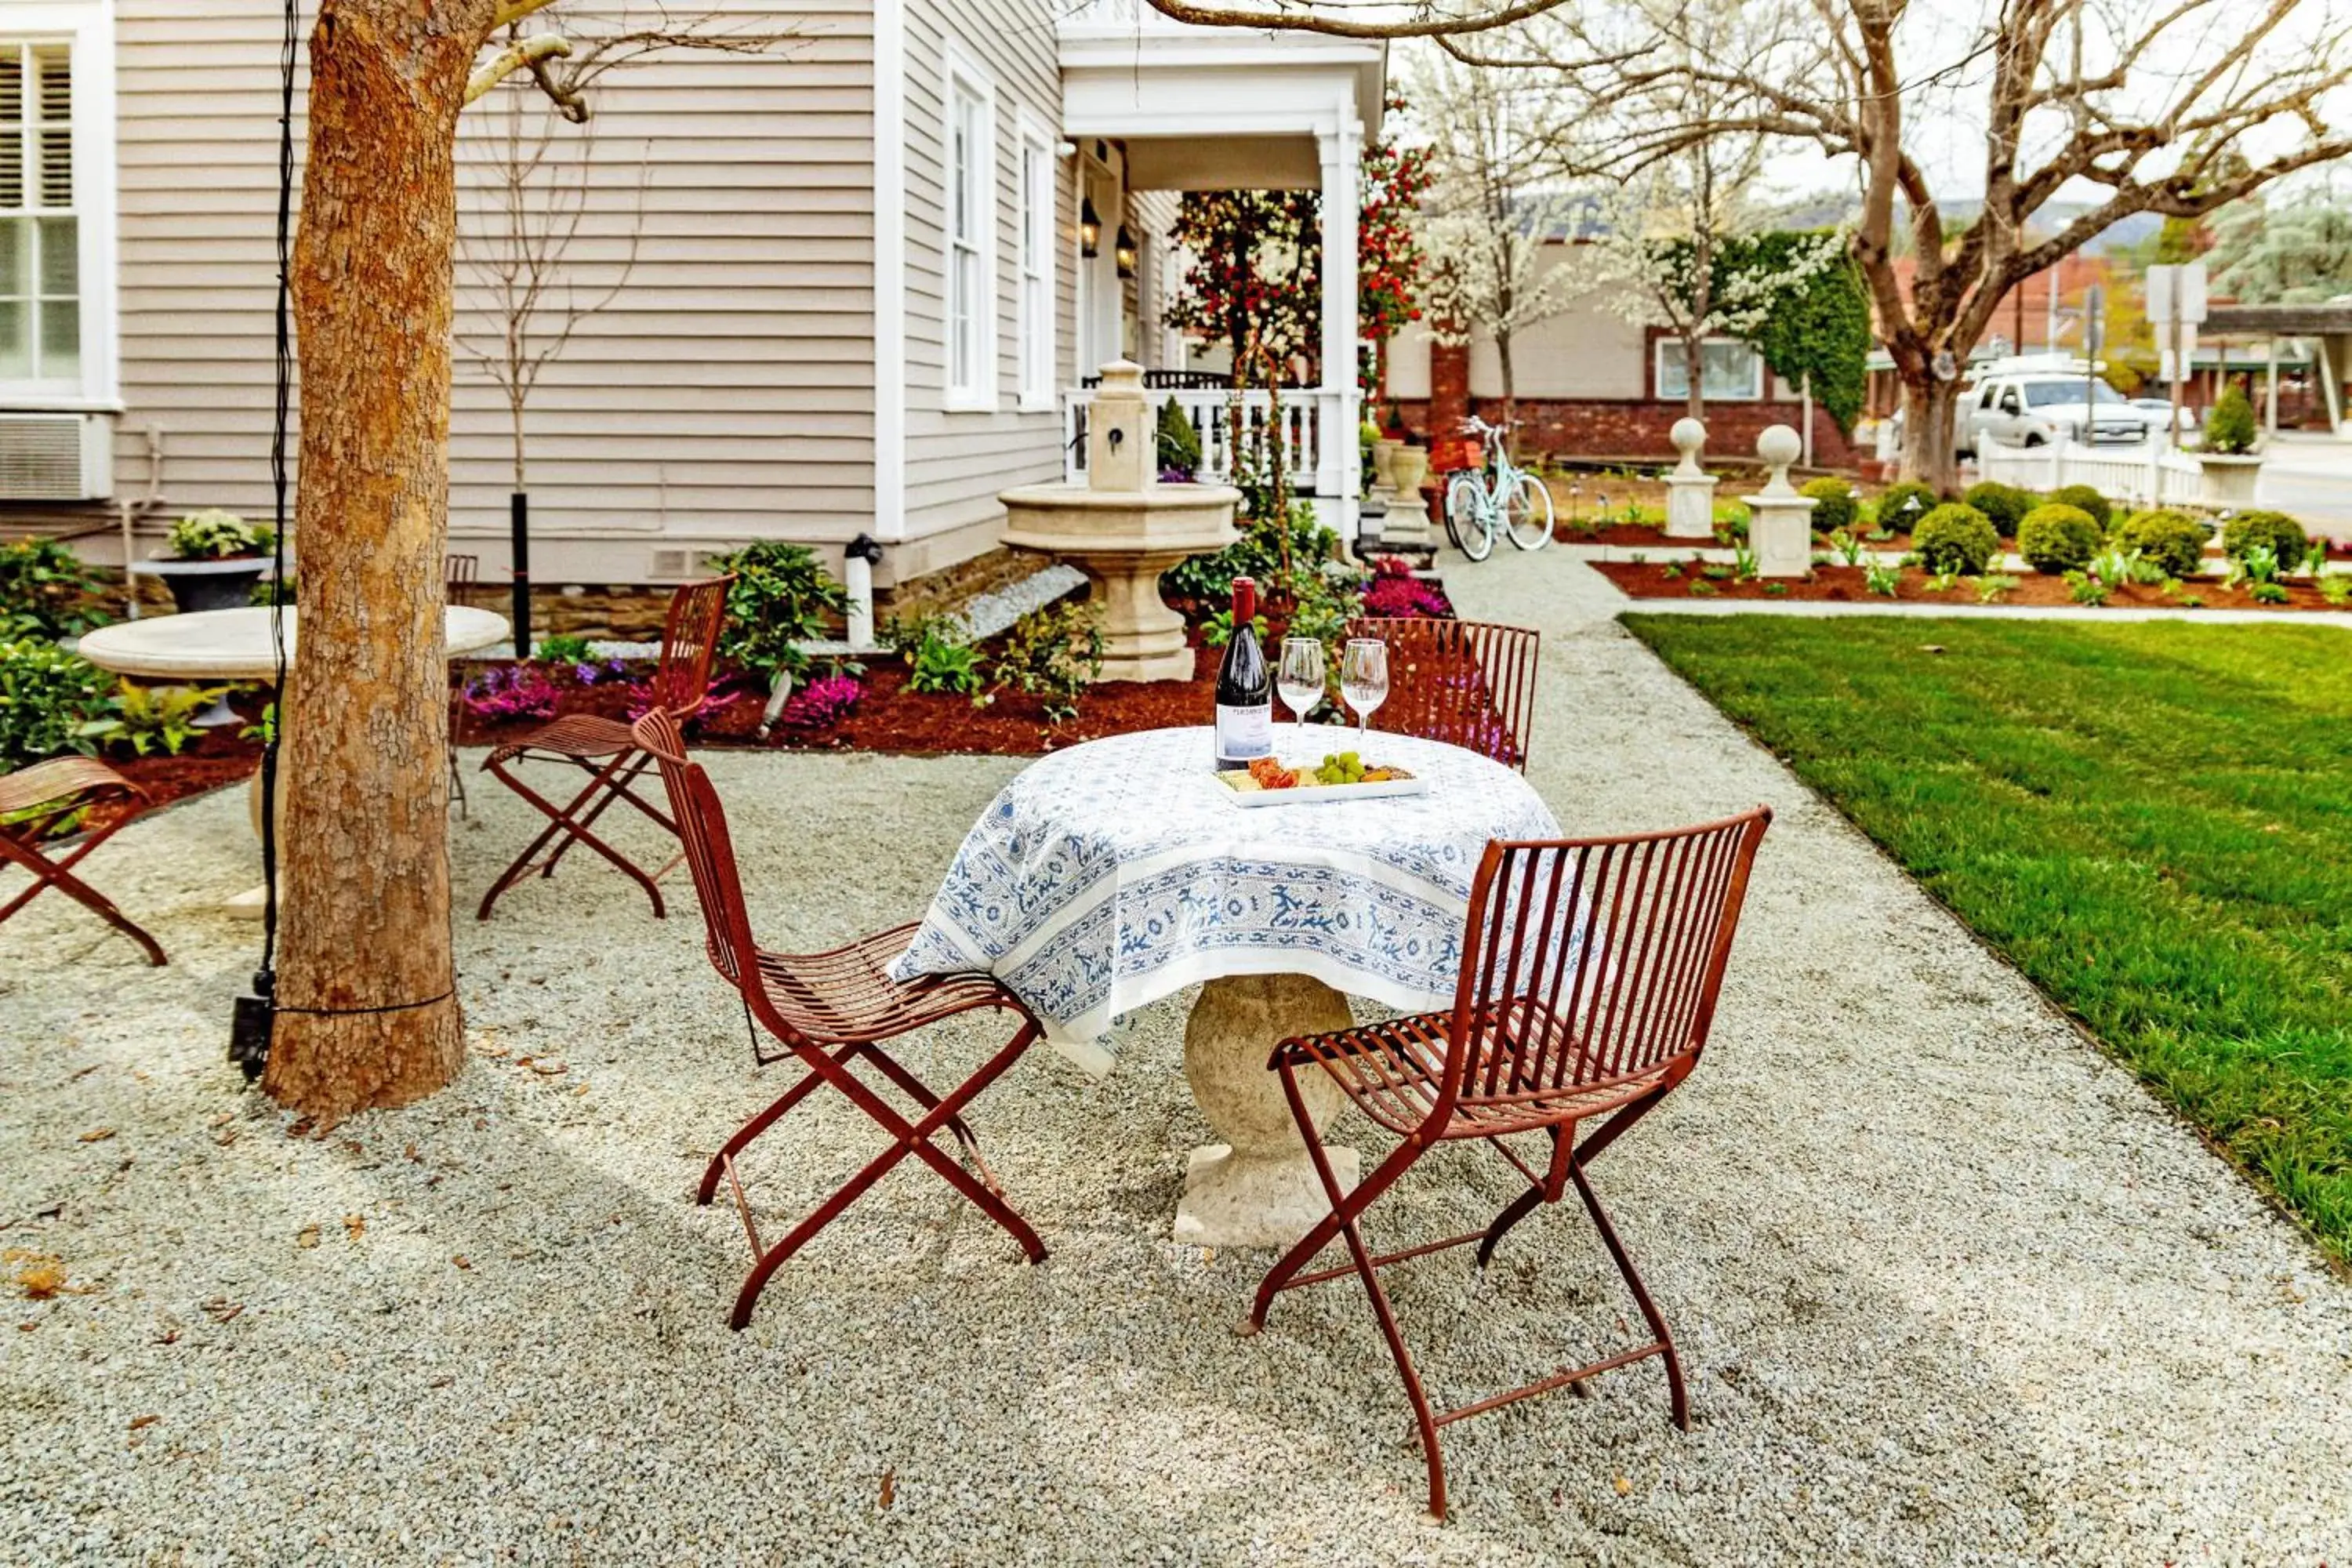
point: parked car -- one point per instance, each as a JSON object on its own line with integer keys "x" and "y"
{"x": 2036, "y": 407}
{"x": 2158, "y": 411}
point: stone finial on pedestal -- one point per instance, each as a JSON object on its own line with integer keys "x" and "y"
{"x": 1690, "y": 490}
{"x": 1781, "y": 522}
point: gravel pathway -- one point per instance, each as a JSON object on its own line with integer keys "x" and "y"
{"x": 1950, "y": 1289}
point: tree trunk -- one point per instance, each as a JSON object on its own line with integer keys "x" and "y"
{"x": 1510, "y": 392}
{"x": 1930, "y": 406}
{"x": 369, "y": 1013}
{"x": 1693, "y": 367}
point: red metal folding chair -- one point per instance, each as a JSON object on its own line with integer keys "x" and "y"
{"x": 602, "y": 748}
{"x": 39, "y": 799}
{"x": 1589, "y": 974}
{"x": 458, "y": 575}
{"x": 829, "y": 1010}
{"x": 1470, "y": 683}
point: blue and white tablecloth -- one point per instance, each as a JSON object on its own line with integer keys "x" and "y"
{"x": 1117, "y": 872}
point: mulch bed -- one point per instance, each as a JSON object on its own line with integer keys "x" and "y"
{"x": 890, "y": 718}
{"x": 1648, "y": 580}
{"x": 215, "y": 758}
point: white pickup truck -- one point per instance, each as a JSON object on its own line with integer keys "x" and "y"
{"x": 2035, "y": 407}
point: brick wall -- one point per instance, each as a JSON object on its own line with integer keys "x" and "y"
{"x": 1609, "y": 429}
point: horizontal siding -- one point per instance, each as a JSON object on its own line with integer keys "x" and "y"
{"x": 726, "y": 392}
{"x": 956, "y": 462}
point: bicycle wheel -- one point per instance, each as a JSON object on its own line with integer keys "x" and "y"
{"x": 1446, "y": 512}
{"x": 1469, "y": 521}
{"x": 1526, "y": 511}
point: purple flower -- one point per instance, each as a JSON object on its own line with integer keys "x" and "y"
{"x": 823, "y": 702}
{"x": 1401, "y": 598}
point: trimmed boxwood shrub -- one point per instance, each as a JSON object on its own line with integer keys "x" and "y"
{"x": 2006, "y": 505}
{"x": 1896, "y": 497}
{"x": 2173, "y": 540}
{"x": 48, "y": 697}
{"x": 2056, "y": 539}
{"x": 2086, "y": 499}
{"x": 1834, "y": 507}
{"x": 2275, "y": 529}
{"x": 2230, "y": 428}
{"x": 1955, "y": 537}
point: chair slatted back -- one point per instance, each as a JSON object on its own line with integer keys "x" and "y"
{"x": 1469, "y": 683}
{"x": 697, "y": 613}
{"x": 709, "y": 853}
{"x": 458, "y": 574}
{"x": 1594, "y": 962}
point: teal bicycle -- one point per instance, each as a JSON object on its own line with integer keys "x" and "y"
{"x": 1497, "y": 497}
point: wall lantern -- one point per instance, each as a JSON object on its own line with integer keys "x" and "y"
{"x": 1090, "y": 229}
{"x": 1123, "y": 249}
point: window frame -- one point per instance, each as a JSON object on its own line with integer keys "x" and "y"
{"x": 86, "y": 27}
{"x": 1666, "y": 348}
{"x": 1035, "y": 263}
{"x": 978, "y": 188}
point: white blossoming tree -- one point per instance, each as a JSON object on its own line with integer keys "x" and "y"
{"x": 1490, "y": 211}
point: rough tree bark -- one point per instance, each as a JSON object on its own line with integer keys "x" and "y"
{"x": 366, "y": 868}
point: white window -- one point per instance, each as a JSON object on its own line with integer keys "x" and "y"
{"x": 40, "y": 227}
{"x": 1036, "y": 303}
{"x": 970, "y": 240}
{"x": 1730, "y": 371}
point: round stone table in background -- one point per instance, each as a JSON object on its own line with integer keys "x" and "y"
{"x": 236, "y": 645}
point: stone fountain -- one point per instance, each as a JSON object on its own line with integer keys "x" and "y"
{"x": 1123, "y": 527}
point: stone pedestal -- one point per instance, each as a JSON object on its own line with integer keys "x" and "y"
{"x": 1781, "y": 522}
{"x": 1258, "y": 1188}
{"x": 1407, "y": 523}
{"x": 1690, "y": 490}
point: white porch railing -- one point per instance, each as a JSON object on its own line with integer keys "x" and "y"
{"x": 1294, "y": 430}
{"x": 2151, "y": 474}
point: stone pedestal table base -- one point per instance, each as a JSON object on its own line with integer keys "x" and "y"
{"x": 1258, "y": 1188}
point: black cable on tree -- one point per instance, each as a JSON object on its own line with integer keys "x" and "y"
{"x": 249, "y": 1033}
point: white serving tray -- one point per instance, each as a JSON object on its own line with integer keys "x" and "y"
{"x": 1387, "y": 789}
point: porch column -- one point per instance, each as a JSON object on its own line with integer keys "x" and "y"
{"x": 1339, "y": 462}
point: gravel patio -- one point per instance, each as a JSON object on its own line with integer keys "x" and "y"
{"x": 1950, "y": 1287}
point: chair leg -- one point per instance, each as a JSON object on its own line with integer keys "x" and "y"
{"x": 1649, "y": 1313}
{"x": 1345, "y": 1208}
{"x": 58, "y": 874}
{"x": 616, "y": 787}
{"x": 911, "y": 1138}
{"x": 567, "y": 821}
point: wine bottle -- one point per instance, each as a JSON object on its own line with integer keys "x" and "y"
{"x": 1245, "y": 687}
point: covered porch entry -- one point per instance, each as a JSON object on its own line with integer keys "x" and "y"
{"x": 1154, "y": 108}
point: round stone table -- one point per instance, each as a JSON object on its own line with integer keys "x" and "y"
{"x": 1117, "y": 872}
{"x": 236, "y": 645}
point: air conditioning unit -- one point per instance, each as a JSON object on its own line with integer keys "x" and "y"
{"x": 678, "y": 564}
{"x": 56, "y": 456}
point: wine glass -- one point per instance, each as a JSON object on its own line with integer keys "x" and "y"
{"x": 1301, "y": 677}
{"x": 1364, "y": 678}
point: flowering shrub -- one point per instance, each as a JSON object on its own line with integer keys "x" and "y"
{"x": 823, "y": 702}
{"x": 1392, "y": 597}
{"x": 510, "y": 692}
{"x": 1392, "y": 566}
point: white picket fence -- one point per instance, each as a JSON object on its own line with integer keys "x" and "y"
{"x": 2151, "y": 474}
{"x": 1296, "y": 429}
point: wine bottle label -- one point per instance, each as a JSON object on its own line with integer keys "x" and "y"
{"x": 1244, "y": 733}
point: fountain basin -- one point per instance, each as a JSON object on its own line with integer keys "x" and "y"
{"x": 1123, "y": 540}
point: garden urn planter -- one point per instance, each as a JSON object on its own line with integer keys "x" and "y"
{"x": 1780, "y": 530}
{"x": 1407, "y": 523}
{"x": 1123, "y": 527}
{"x": 221, "y": 583}
{"x": 2227, "y": 479}
{"x": 1385, "y": 474}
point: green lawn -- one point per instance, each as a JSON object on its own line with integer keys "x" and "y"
{"x": 2153, "y": 821}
